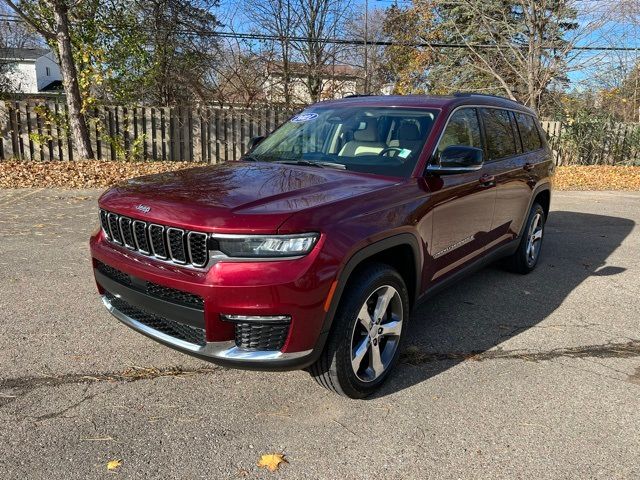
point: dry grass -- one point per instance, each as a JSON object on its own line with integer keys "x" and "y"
{"x": 97, "y": 174}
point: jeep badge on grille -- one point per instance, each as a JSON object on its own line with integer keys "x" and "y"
{"x": 143, "y": 208}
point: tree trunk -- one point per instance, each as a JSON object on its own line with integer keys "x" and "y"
{"x": 77, "y": 121}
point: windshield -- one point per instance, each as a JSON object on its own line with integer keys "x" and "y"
{"x": 379, "y": 140}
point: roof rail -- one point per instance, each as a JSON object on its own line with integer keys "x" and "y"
{"x": 354, "y": 95}
{"x": 470, "y": 94}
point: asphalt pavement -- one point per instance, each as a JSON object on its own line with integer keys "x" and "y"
{"x": 504, "y": 376}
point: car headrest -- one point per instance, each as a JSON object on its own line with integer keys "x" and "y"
{"x": 368, "y": 134}
{"x": 408, "y": 131}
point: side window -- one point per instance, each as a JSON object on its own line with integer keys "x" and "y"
{"x": 463, "y": 129}
{"x": 528, "y": 132}
{"x": 500, "y": 136}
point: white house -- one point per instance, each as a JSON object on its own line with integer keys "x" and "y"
{"x": 30, "y": 70}
{"x": 337, "y": 81}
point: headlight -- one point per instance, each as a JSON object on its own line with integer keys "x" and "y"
{"x": 268, "y": 246}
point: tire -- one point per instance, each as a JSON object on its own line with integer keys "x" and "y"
{"x": 363, "y": 298}
{"x": 525, "y": 258}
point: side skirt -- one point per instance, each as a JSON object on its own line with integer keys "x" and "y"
{"x": 490, "y": 257}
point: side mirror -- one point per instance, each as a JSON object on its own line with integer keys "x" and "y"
{"x": 254, "y": 141}
{"x": 458, "y": 159}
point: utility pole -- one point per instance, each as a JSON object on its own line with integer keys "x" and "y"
{"x": 366, "y": 46}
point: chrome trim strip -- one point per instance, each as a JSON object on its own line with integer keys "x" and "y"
{"x": 439, "y": 168}
{"x": 277, "y": 319}
{"x": 214, "y": 350}
{"x": 169, "y": 230}
{"x": 135, "y": 237}
{"x": 267, "y": 235}
{"x": 124, "y": 240}
{"x": 206, "y": 248}
{"x": 153, "y": 250}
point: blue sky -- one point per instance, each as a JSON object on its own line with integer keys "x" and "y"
{"x": 618, "y": 31}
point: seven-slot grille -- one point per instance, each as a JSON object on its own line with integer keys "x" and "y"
{"x": 165, "y": 243}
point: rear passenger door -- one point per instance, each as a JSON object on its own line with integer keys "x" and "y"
{"x": 506, "y": 163}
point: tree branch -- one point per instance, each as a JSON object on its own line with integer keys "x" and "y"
{"x": 45, "y": 33}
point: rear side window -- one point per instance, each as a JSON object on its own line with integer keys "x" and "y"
{"x": 500, "y": 139}
{"x": 463, "y": 129}
{"x": 528, "y": 132}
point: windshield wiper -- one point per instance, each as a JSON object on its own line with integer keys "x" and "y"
{"x": 309, "y": 163}
{"x": 249, "y": 158}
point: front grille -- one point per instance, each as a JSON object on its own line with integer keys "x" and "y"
{"x": 113, "y": 273}
{"x": 197, "y": 247}
{"x": 142, "y": 240}
{"x": 176, "y": 239}
{"x": 261, "y": 336}
{"x": 166, "y": 243}
{"x": 158, "y": 247}
{"x": 152, "y": 289}
{"x": 127, "y": 232}
{"x": 172, "y": 328}
{"x": 175, "y": 296}
{"x": 114, "y": 228}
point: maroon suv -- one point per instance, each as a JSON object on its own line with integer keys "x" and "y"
{"x": 312, "y": 250}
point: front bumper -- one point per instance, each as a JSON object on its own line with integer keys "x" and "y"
{"x": 243, "y": 288}
{"x": 223, "y": 353}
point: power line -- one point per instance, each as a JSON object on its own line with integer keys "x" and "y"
{"x": 379, "y": 43}
{"x": 384, "y": 43}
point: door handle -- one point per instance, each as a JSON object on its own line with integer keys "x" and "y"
{"x": 528, "y": 167}
{"x": 487, "y": 180}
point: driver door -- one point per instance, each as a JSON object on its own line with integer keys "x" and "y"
{"x": 462, "y": 203}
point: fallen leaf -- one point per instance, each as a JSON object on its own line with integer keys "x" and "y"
{"x": 113, "y": 464}
{"x": 271, "y": 461}
{"x": 97, "y": 173}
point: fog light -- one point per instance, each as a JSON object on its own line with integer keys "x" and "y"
{"x": 256, "y": 318}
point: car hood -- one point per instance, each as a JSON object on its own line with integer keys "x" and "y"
{"x": 236, "y": 196}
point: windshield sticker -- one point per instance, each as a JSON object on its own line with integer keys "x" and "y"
{"x": 304, "y": 117}
{"x": 404, "y": 153}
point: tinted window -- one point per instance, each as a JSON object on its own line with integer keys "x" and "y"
{"x": 463, "y": 129}
{"x": 500, "y": 140}
{"x": 528, "y": 132}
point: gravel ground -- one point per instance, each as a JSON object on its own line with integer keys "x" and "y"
{"x": 505, "y": 376}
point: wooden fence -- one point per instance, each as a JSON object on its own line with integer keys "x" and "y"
{"x": 594, "y": 142}
{"x": 36, "y": 129}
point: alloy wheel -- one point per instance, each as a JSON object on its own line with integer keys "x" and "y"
{"x": 534, "y": 239}
{"x": 376, "y": 333}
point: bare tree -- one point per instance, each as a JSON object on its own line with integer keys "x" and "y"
{"x": 319, "y": 20}
{"x": 57, "y": 33}
{"x": 279, "y": 19}
{"x": 240, "y": 75}
{"x": 525, "y": 45}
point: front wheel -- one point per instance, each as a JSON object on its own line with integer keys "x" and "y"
{"x": 525, "y": 259}
{"x": 366, "y": 333}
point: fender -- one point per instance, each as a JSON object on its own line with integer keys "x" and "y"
{"x": 356, "y": 259}
{"x": 540, "y": 188}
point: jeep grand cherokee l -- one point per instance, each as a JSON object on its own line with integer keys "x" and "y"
{"x": 312, "y": 250}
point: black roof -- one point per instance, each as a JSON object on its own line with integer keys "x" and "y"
{"x": 23, "y": 53}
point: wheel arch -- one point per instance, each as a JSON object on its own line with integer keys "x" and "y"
{"x": 542, "y": 194}
{"x": 395, "y": 250}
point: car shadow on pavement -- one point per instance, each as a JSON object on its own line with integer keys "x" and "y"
{"x": 491, "y": 306}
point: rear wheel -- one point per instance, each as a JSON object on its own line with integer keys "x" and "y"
{"x": 525, "y": 259}
{"x": 366, "y": 334}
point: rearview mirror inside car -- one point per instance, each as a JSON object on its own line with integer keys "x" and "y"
{"x": 254, "y": 141}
